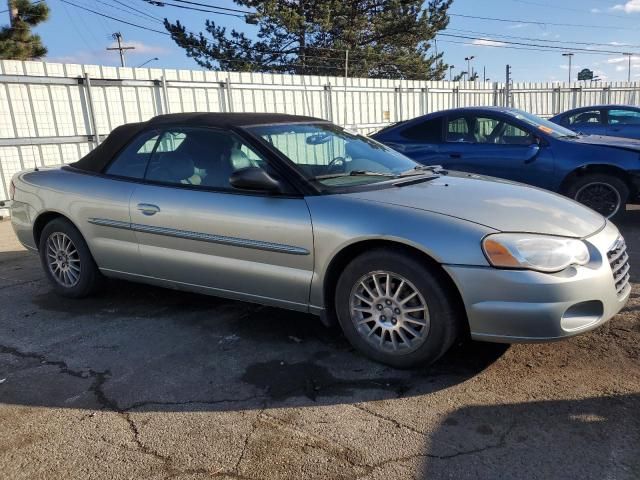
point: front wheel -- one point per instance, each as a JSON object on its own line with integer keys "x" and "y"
{"x": 396, "y": 310}
{"x": 606, "y": 194}
{"x": 66, "y": 260}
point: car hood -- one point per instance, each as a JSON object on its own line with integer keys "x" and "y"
{"x": 498, "y": 204}
{"x": 615, "y": 142}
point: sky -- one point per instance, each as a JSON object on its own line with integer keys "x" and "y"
{"x": 74, "y": 35}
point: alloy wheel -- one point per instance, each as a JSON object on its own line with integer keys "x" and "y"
{"x": 63, "y": 259}
{"x": 389, "y": 312}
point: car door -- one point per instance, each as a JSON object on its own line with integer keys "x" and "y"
{"x": 623, "y": 122}
{"x": 106, "y": 207}
{"x": 498, "y": 146}
{"x": 195, "y": 230}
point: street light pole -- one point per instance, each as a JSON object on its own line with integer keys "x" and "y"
{"x": 570, "y": 55}
{"x": 629, "y": 70}
{"x": 468, "y": 59}
{"x": 154, "y": 59}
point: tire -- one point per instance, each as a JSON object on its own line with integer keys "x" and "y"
{"x": 599, "y": 191}
{"x": 67, "y": 261}
{"x": 437, "y": 326}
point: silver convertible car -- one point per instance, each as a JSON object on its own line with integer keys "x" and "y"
{"x": 298, "y": 213}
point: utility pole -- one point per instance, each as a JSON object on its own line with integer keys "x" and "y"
{"x": 451, "y": 67}
{"x": 629, "y": 71}
{"x": 507, "y": 87}
{"x": 118, "y": 37}
{"x": 570, "y": 55}
{"x": 484, "y": 74}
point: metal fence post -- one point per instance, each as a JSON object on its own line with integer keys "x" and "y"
{"x": 93, "y": 124}
{"x": 222, "y": 96}
{"x": 229, "y": 97}
{"x": 425, "y": 100}
{"x": 165, "y": 95}
{"x": 328, "y": 102}
{"x": 555, "y": 100}
{"x": 574, "y": 96}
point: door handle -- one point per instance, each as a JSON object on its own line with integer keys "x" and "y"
{"x": 148, "y": 209}
{"x": 455, "y": 155}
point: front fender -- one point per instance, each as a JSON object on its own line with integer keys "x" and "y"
{"x": 340, "y": 222}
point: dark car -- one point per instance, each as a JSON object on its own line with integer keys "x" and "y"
{"x": 600, "y": 172}
{"x": 612, "y": 120}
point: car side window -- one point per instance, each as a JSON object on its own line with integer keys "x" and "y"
{"x": 132, "y": 161}
{"x": 427, "y": 132}
{"x": 458, "y": 130}
{"x": 499, "y": 132}
{"x": 589, "y": 117}
{"x": 200, "y": 157}
{"x": 624, "y": 117}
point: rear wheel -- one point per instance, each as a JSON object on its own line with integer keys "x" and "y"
{"x": 606, "y": 194}
{"x": 395, "y": 310}
{"x": 66, "y": 260}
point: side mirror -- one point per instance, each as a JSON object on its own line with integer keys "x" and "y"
{"x": 256, "y": 179}
{"x": 534, "y": 149}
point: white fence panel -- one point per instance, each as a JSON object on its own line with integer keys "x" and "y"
{"x": 53, "y": 113}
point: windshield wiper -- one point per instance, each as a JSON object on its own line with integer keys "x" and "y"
{"x": 418, "y": 169}
{"x": 353, "y": 173}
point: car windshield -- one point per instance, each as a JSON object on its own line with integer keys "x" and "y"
{"x": 333, "y": 157}
{"x": 543, "y": 125}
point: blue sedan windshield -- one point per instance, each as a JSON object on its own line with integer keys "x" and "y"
{"x": 543, "y": 125}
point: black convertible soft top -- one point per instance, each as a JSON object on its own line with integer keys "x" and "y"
{"x": 98, "y": 158}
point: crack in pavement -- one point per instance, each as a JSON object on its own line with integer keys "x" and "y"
{"x": 146, "y": 403}
{"x": 97, "y": 388}
{"x": 501, "y": 443}
{"x": 254, "y": 427}
{"x": 17, "y": 284}
{"x": 387, "y": 419}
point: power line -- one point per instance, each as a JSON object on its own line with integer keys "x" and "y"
{"x": 135, "y": 12}
{"x": 542, "y": 24}
{"x": 551, "y": 47}
{"x": 569, "y": 42}
{"x": 513, "y": 47}
{"x": 75, "y": 27}
{"x": 155, "y": 2}
{"x": 114, "y": 18}
{"x": 163, "y": 3}
{"x": 568, "y": 9}
{"x": 32, "y": 3}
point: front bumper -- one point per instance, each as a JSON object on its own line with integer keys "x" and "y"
{"x": 513, "y": 306}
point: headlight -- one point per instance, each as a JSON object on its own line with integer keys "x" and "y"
{"x": 534, "y": 252}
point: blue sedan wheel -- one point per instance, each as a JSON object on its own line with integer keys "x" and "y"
{"x": 606, "y": 194}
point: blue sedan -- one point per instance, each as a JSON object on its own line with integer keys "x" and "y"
{"x": 600, "y": 172}
{"x": 612, "y": 120}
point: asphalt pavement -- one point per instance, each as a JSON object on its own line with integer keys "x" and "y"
{"x": 146, "y": 383}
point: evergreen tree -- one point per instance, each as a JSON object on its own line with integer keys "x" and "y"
{"x": 385, "y": 38}
{"x": 16, "y": 40}
{"x": 459, "y": 77}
